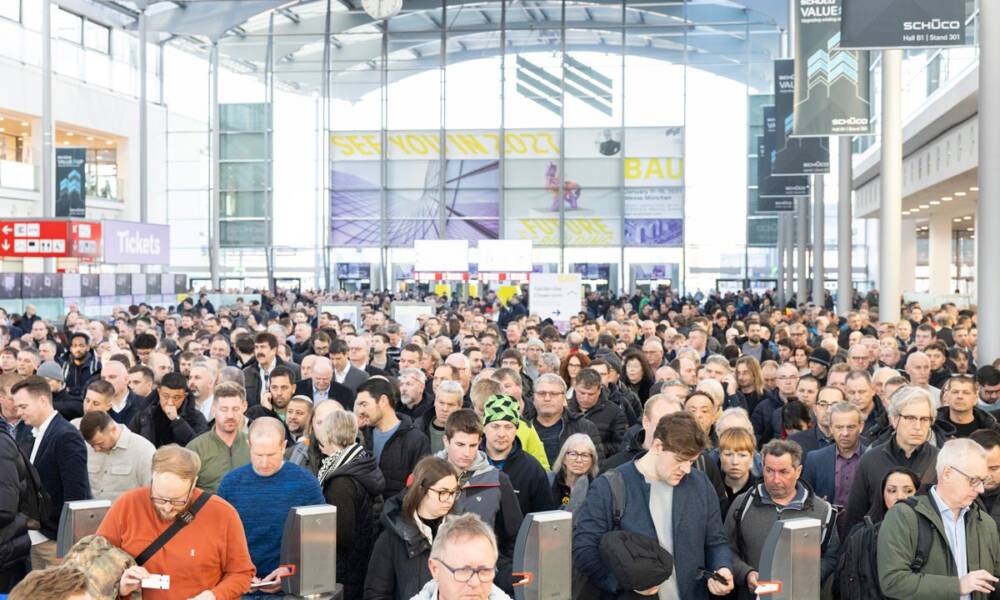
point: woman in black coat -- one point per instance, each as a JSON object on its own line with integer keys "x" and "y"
{"x": 353, "y": 483}
{"x": 398, "y": 566}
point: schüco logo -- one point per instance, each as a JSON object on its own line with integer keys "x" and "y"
{"x": 851, "y": 121}
{"x": 932, "y": 25}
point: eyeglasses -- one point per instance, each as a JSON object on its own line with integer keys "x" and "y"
{"x": 974, "y": 481}
{"x": 171, "y": 502}
{"x": 464, "y": 574}
{"x": 573, "y": 455}
{"x": 445, "y": 495}
{"x": 914, "y": 419}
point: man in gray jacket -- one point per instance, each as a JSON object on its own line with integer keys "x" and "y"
{"x": 781, "y": 496}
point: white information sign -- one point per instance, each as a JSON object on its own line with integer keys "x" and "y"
{"x": 351, "y": 312}
{"x": 555, "y": 296}
{"x": 407, "y": 313}
{"x": 441, "y": 255}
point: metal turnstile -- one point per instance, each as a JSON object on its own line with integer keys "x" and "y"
{"x": 791, "y": 559}
{"x": 79, "y": 519}
{"x": 543, "y": 556}
{"x": 309, "y": 545}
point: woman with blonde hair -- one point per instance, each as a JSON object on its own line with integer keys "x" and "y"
{"x": 573, "y": 470}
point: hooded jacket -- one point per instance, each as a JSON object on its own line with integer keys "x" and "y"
{"x": 609, "y": 419}
{"x": 400, "y": 454}
{"x": 355, "y": 488}
{"x": 488, "y": 493}
{"x": 78, "y": 376}
{"x": 573, "y": 422}
{"x": 897, "y": 542}
{"x": 152, "y": 424}
{"x": 748, "y": 531}
{"x": 398, "y": 567}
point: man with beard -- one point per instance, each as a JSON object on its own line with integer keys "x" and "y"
{"x": 274, "y": 403}
{"x": 205, "y": 561}
{"x": 225, "y": 446}
{"x": 80, "y": 365}
{"x": 258, "y": 372}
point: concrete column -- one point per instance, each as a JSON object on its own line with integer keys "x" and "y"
{"x": 215, "y": 230}
{"x": 819, "y": 234}
{"x": 987, "y": 209}
{"x": 890, "y": 214}
{"x": 907, "y": 264}
{"x": 143, "y": 123}
{"x": 845, "y": 243}
{"x": 786, "y": 223}
{"x": 801, "y": 241}
{"x": 939, "y": 246}
{"x": 781, "y": 261}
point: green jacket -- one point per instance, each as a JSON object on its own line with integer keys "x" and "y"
{"x": 217, "y": 458}
{"x": 938, "y": 580}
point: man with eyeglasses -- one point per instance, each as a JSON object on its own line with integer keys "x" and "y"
{"x": 463, "y": 562}
{"x": 911, "y": 414}
{"x": 960, "y": 410}
{"x": 821, "y": 435}
{"x": 207, "y": 559}
{"x": 966, "y": 549}
{"x": 763, "y": 415}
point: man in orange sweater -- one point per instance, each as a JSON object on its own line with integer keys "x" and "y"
{"x": 206, "y": 560}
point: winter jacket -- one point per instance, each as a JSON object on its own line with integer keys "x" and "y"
{"x": 306, "y": 454}
{"x": 879, "y": 460}
{"x": 355, "y": 488}
{"x": 762, "y": 418}
{"x": 627, "y": 400}
{"x": 15, "y": 544}
{"x": 488, "y": 492}
{"x": 609, "y": 419}
{"x": 748, "y": 531}
{"x": 980, "y": 417}
{"x": 153, "y": 425}
{"x": 528, "y": 479}
{"x": 698, "y": 535}
{"x": 78, "y": 376}
{"x": 401, "y": 453}
{"x": 430, "y": 592}
{"x": 897, "y": 543}
{"x": 69, "y": 406}
{"x": 398, "y": 567}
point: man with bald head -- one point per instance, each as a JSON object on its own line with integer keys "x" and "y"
{"x": 160, "y": 364}
{"x": 321, "y": 386}
{"x": 262, "y": 493}
{"x": 125, "y": 404}
{"x": 918, "y": 369}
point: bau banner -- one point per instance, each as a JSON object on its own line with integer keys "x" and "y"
{"x": 551, "y": 183}
{"x": 71, "y": 180}
{"x": 794, "y": 156}
{"x": 831, "y": 85}
{"x": 772, "y": 186}
{"x": 903, "y": 23}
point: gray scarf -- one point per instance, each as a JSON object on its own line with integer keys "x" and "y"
{"x": 338, "y": 459}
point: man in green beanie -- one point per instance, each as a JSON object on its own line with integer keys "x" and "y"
{"x": 503, "y": 451}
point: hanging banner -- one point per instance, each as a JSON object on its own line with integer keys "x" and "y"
{"x": 831, "y": 85}
{"x": 876, "y": 24}
{"x": 777, "y": 185}
{"x": 762, "y": 232}
{"x": 768, "y": 204}
{"x": 70, "y": 182}
{"x": 793, "y": 156}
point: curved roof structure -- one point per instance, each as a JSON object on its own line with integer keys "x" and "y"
{"x": 735, "y": 39}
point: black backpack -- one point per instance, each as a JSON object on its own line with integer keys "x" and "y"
{"x": 582, "y": 588}
{"x": 857, "y": 569}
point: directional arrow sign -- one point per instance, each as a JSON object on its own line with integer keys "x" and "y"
{"x": 7, "y": 229}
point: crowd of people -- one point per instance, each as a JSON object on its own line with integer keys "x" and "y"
{"x": 676, "y": 430}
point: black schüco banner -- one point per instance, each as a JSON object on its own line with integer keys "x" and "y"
{"x": 831, "y": 85}
{"x": 903, "y": 23}
{"x": 781, "y": 188}
{"x": 794, "y": 156}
